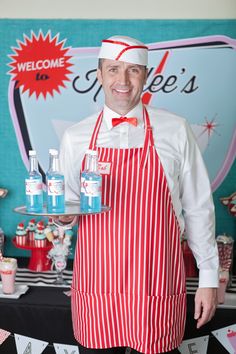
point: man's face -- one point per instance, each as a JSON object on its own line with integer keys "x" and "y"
{"x": 122, "y": 84}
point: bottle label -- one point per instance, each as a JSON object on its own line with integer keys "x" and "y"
{"x": 55, "y": 187}
{"x": 7, "y": 272}
{"x": 92, "y": 188}
{"x": 33, "y": 187}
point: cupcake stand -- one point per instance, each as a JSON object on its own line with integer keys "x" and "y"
{"x": 39, "y": 260}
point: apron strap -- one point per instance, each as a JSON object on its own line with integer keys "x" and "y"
{"x": 148, "y": 140}
{"x": 92, "y": 145}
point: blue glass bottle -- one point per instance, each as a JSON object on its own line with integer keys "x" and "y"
{"x": 34, "y": 186}
{"x": 55, "y": 185}
{"x": 92, "y": 186}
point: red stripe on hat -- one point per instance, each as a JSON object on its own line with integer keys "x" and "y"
{"x": 130, "y": 47}
{"x": 114, "y": 42}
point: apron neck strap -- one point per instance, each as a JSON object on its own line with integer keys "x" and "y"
{"x": 92, "y": 145}
{"x": 148, "y": 140}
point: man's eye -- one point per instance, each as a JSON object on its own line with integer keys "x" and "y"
{"x": 112, "y": 70}
{"x": 134, "y": 70}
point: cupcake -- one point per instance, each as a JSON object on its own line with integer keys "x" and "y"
{"x": 39, "y": 236}
{"x": 51, "y": 224}
{"x": 40, "y": 224}
{"x": 21, "y": 234}
{"x": 31, "y": 229}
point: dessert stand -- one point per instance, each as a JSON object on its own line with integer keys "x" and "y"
{"x": 39, "y": 260}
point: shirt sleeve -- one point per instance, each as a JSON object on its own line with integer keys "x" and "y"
{"x": 198, "y": 211}
{"x": 68, "y": 168}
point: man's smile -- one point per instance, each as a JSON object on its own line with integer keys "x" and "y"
{"x": 122, "y": 91}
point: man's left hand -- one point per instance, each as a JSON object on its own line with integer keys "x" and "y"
{"x": 205, "y": 305}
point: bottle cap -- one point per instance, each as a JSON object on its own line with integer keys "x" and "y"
{"x": 53, "y": 152}
{"x": 32, "y": 153}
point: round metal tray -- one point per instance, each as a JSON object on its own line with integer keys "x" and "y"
{"x": 70, "y": 209}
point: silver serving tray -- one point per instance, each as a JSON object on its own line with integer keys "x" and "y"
{"x": 70, "y": 209}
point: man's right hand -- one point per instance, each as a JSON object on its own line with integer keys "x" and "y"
{"x": 66, "y": 219}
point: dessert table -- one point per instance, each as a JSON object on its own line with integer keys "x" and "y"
{"x": 43, "y": 312}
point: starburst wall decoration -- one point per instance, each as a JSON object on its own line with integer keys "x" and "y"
{"x": 209, "y": 127}
{"x": 40, "y": 64}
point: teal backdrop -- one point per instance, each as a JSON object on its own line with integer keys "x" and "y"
{"x": 88, "y": 33}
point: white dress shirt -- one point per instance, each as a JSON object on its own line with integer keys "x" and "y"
{"x": 183, "y": 165}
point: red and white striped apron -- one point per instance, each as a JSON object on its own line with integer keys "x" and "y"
{"x": 129, "y": 281}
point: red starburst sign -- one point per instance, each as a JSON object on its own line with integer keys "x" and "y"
{"x": 40, "y": 64}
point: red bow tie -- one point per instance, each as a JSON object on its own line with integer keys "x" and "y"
{"x": 116, "y": 121}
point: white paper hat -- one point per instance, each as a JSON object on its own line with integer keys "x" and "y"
{"x": 125, "y": 49}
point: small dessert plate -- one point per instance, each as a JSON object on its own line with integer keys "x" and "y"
{"x": 20, "y": 289}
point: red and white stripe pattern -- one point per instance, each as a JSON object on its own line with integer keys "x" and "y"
{"x": 40, "y": 242}
{"x": 21, "y": 240}
{"x": 31, "y": 236}
{"x": 129, "y": 284}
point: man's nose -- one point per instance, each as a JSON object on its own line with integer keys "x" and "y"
{"x": 123, "y": 77}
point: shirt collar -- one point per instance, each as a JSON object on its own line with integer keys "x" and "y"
{"x": 137, "y": 112}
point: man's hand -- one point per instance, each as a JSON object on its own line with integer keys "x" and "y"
{"x": 205, "y": 305}
{"x": 65, "y": 220}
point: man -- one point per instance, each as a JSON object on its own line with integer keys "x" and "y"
{"x": 129, "y": 283}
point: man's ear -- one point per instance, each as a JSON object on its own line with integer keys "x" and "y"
{"x": 99, "y": 76}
